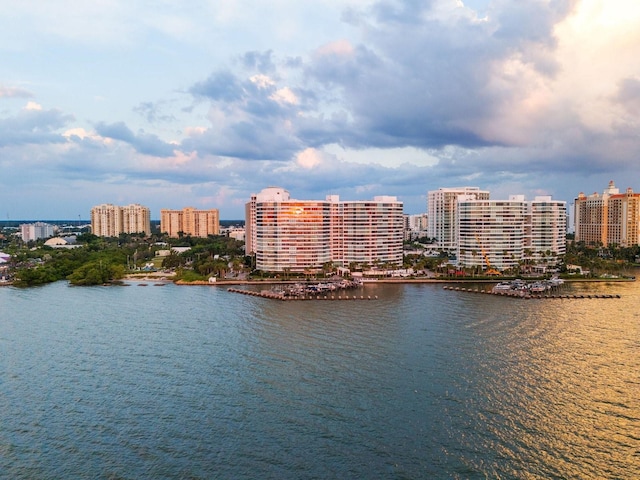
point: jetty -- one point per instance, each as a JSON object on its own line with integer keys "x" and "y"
{"x": 310, "y": 291}
{"x": 275, "y": 295}
{"x": 528, "y": 294}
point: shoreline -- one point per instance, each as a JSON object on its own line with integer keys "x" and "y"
{"x": 165, "y": 279}
{"x": 231, "y": 282}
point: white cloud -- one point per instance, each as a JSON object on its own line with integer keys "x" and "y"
{"x": 13, "y": 92}
{"x": 284, "y": 95}
{"x": 309, "y": 158}
{"x": 597, "y": 48}
{"x": 340, "y": 48}
{"x": 33, "y": 106}
{"x": 262, "y": 81}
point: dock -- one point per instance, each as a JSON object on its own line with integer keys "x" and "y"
{"x": 275, "y": 295}
{"x": 527, "y": 296}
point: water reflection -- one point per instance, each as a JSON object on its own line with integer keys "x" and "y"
{"x": 421, "y": 383}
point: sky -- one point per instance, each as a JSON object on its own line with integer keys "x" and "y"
{"x": 201, "y": 103}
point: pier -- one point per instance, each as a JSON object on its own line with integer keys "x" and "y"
{"x": 275, "y": 295}
{"x": 528, "y": 295}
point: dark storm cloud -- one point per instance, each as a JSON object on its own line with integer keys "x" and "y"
{"x": 142, "y": 142}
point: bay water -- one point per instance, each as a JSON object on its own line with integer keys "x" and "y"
{"x": 165, "y": 381}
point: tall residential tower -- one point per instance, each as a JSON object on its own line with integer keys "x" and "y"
{"x": 442, "y": 213}
{"x": 109, "y": 220}
{"x": 190, "y": 221}
{"x": 304, "y": 235}
{"x": 612, "y": 218}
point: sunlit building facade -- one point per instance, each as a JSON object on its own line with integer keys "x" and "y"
{"x": 305, "y": 235}
{"x": 190, "y": 221}
{"x": 292, "y": 235}
{"x": 109, "y": 220}
{"x": 610, "y": 218}
{"x": 624, "y": 219}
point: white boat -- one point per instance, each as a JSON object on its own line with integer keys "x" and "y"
{"x": 537, "y": 287}
{"x": 556, "y": 282}
{"x": 502, "y": 287}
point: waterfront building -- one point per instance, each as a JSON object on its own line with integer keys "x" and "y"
{"x": 35, "y": 231}
{"x": 270, "y": 194}
{"x": 109, "y": 220}
{"x": 288, "y": 235}
{"x": 190, "y": 221}
{"x": 491, "y": 233}
{"x": 500, "y": 234}
{"x": 612, "y": 218}
{"x": 442, "y": 213}
{"x": 371, "y": 232}
{"x": 546, "y": 228}
{"x": 415, "y": 226}
{"x": 623, "y": 215}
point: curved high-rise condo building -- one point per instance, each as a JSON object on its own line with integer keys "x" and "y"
{"x": 304, "y": 235}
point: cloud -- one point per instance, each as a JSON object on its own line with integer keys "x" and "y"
{"x": 152, "y": 112}
{"x": 309, "y": 158}
{"x": 628, "y": 95}
{"x": 14, "y": 92}
{"x": 499, "y": 96}
{"x": 220, "y": 86}
{"x": 430, "y": 75}
{"x": 148, "y": 144}
{"x": 33, "y": 125}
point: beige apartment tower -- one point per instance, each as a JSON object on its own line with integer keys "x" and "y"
{"x": 109, "y": 220}
{"x": 190, "y": 221}
{"x": 612, "y": 218}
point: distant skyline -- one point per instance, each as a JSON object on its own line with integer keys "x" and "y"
{"x": 202, "y": 103}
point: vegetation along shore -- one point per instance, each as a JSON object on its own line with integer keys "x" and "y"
{"x": 220, "y": 260}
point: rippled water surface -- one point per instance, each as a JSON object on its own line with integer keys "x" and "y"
{"x": 198, "y": 382}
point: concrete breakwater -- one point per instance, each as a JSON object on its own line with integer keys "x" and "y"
{"x": 275, "y": 295}
{"x": 527, "y": 296}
